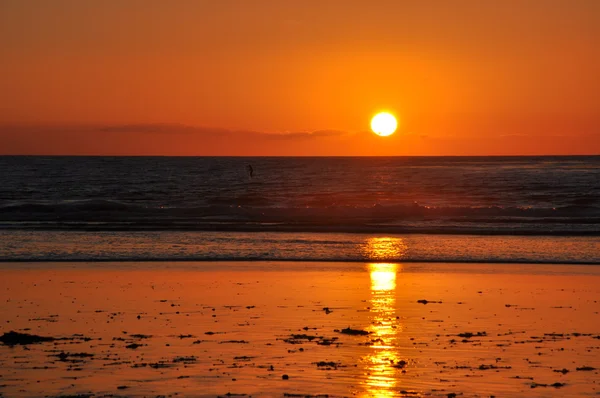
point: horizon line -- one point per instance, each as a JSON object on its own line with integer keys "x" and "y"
{"x": 300, "y": 156}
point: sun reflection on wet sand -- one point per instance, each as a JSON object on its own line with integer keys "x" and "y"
{"x": 212, "y": 327}
{"x": 381, "y": 377}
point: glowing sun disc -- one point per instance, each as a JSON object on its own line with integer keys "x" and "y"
{"x": 384, "y": 124}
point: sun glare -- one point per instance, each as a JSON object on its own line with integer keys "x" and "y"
{"x": 384, "y": 124}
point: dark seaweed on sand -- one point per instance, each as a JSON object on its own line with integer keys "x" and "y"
{"x": 304, "y": 337}
{"x": 488, "y": 367}
{"x": 328, "y": 365}
{"x": 400, "y": 364}
{"x": 14, "y": 338}
{"x": 585, "y": 369}
{"x": 428, "y": 302}
{"x": 234, "y": 342}
{"x": 66, "y": 356}
{"x": 563, "y": 371}
{"x": 141, "y": 336}
{"x": 353, "y": 332}
{"x": 555, "y": 385}
{"x": 468, "y": 335}
{"x": 187, "y": 359}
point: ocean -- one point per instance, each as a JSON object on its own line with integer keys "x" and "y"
{"x": 487, "y": 209}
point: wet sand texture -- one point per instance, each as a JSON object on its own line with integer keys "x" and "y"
{"x": 363, "y": 330}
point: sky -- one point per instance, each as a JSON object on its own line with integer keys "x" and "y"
{"x": 299, "y": 77}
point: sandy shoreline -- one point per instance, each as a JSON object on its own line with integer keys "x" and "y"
{"x": 218, "y": 328}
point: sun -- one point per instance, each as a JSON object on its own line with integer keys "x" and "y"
{"x": 384, "y": 124}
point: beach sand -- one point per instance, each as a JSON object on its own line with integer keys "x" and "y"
{"x": 270, "y": 329}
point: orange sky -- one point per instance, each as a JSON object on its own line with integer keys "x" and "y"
{"x": 299, "y": 77}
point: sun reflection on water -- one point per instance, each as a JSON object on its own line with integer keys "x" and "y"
{"x": 381, "y": 375}
{"x": 384, "y": 249}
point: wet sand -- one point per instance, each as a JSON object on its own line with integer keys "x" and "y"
{"x": 299, "y": 329}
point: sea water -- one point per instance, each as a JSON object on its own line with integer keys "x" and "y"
{"x": 301, "y": 208}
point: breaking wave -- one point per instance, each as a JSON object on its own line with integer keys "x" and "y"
{"x": 109, "y": 214}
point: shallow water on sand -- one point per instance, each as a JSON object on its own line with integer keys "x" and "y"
{"x": 216, "y": 328}
{"x": 295, "y": 246}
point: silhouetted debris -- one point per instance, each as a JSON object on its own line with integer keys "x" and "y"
{"x": 285, "y": 377}
{"x": 328, "y": 341}
{"x": 159, "y": 365}
{"x": 327, "y": 365}
{"x": 133, "y": 346}
{"x": 400, "y": 364}
{"x": 468, "y": 335}
{"x": 155, "y": 365}
{"x": 553, "y": 335}
{"x": 555, "y": 385}
{"x": 521, "y": 377}
{"x": 189, "y": 359}
{"x": 234, "y": 342}
{"x": 428, "y": 302}
{"x": 303, "y": 338}
{"x": 141, "y": 336}
{"x": 488, "y": 367}
{"x": 327, "y": 310}
{"x": 64, "y": 356}
{"x": 585, "y": 369}
{"x": 563, "y": 371}
{"x": 49, "y": 318}
{"x": 14, "y": 338}
{"x": 353, "y": 332}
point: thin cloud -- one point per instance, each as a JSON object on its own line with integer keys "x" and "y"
{"x": 152, "y": 128}
{"x": 166, "y": 129}
{"x": 305, "y": 134}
